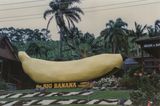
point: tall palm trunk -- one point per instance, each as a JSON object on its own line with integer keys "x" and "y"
{"x": 62, "y": 33}
{"x": 114, "y": 49}
{"x": 60, "y": 23}
{"x": 61, "y": 43}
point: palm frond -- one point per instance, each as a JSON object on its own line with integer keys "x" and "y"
{"x": 144, "y": 27}
{"x": 73, "y": 11}
{"x": 70, "y": 22}
{"x": 48, "y": 12}
{"x": 49, "y": 22}
{"x": 72, "y": 1}
{"x": 76, "y": 10}
{"x": 73, "y": 17}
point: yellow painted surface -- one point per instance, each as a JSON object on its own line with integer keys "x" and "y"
{"x": 42, "y": 71}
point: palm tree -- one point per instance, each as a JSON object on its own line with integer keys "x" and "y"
{"x": 115, "y": 33}
{"x": 33, "y": 49}
{"x": 157, "y": 26}
{"x": 136, "y": 34}
{"x": 104, "y": 38}
{"x": 139, "y": 32}
{"x": 83, "y": 45}
{"x": 154, "y": 30}
{"x": 38, "y": 49}
{"x": 64, "y": 10}
{"x": 86, "y": 45}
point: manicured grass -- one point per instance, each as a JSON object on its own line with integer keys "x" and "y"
{"x": 111, "y": 94}
{"x": 107, "y": 94}
{"x": 49, "y": 90}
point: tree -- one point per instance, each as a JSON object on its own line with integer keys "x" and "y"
{"x": 139, "y": 32}
{"x": 136, "y": 34}
{"x": 154, "y": 30}
{"x": 86, "y": 45}
{"x": 34, "y": 49}
{"x": 115, "y": 34}
{"x": 83, "y": 44}
{"x": 63, "y": 10}
{"x": 17, "y": 35}
{"x": 39, "y": 49}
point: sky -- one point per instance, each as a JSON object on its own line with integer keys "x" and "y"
{"x": 29, "y": 14}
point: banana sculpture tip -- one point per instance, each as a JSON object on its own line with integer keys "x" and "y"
{"x": 23, "y": 56}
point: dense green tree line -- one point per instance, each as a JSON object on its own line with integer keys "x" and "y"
{"x": 25, "y": 35}
{"x": 114, "y": 38}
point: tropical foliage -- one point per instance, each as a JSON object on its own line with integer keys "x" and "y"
{"x": 155, "y": 29}
{"x": 25, "y": 35}
{"x": 63, "y": 10}
{"x": 83, "y": 44}
{"x": 115, "y": 36}
{"x": 148, "y": 91}
{"x": 138, "y": 32}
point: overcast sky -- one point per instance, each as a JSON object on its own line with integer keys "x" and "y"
{"x": 97, "y": 13}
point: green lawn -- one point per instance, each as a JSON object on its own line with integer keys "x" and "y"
{"x": 107, "y": 94}
{"x": 50, "y": 90}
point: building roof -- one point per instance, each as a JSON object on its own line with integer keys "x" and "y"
{"x": 150, "y": 45}
{"x": 145, "y": 40}
{"x": 7, "y": 50}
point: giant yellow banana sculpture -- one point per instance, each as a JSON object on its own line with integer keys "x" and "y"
{"x": 42, "y": 71}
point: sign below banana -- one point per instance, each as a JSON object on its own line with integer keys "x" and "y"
{"x": 66, "y": 85}
{"x": 43, "y": 71}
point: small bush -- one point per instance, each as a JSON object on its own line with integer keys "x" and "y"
{"x": 128, "y": 82}
{"x": 148, "y": 90}
{"x": 131, "y": 78}
{"x": 138, "y": 98}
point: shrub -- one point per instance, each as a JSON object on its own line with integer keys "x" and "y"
{"x": 148, "y": 89}
{"x": 128, "y": 82}
{"x": 138, "y": 98}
